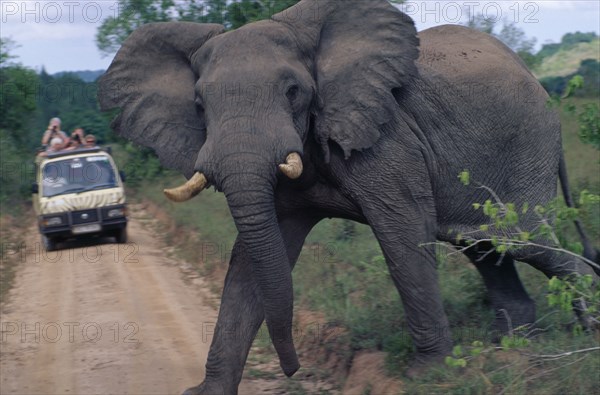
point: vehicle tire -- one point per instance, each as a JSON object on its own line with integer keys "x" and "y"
{"x": 121, "y": 236}
{"x": 49, "y": 243}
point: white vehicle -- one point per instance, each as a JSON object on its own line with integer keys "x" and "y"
{"x": 77, "y": 193}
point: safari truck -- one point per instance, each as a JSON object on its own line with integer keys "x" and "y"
{"x": 79, "y": 193}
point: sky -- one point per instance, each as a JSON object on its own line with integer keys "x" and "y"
{"x": 60, "y": 35}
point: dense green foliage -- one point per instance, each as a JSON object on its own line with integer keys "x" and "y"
{"x": 139, "y": 163}
{"x": 568, "y": 41}
{"x": 589, "y": 70}
{"x": 134, "y": 13}
{"x": 510, "y": 34}
{"x": 514, "y": 37}
{"x": 587, "y": 115}
{"x": 27, "y": 102}
{"x": 17, "y": 105}
{"x": 16, "y": 91}
{"x": 74, "y": 101}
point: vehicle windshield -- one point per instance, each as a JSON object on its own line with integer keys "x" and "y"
{"x": 78, "y": 175}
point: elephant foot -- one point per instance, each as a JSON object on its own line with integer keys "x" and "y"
{"x": 586, "y": 320}
{"x": 422, "y": 364}
{"x": 514, "y": 321}
{"x": 209, "y": 389}
{"x": 425, "y": 360}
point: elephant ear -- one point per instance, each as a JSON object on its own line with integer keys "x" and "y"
{"x": 363, "y": 50}
{"x": 150, "y": 80}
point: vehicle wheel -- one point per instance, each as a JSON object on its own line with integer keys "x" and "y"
{"x": 49, "y": 243}
{"x": 121, "y": 236}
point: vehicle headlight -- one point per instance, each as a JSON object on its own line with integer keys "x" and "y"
{"x": 53, "y": 221}
{"x": 116, "y": 212}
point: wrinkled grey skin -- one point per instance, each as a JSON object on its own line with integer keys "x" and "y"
{"x": 383, "y": 130}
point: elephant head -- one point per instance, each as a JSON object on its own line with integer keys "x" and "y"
{"x": 234, "y": 109}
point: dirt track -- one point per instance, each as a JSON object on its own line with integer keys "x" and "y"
{"x": 104, "y": 319}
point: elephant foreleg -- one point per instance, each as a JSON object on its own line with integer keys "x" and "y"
{"x": 241, "y": 312}
{"x": 412, "y": 266}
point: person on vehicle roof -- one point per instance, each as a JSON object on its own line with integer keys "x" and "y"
{"x": 90, "y": 141}
{"x": 79, "y": 132}
{"x": 54, "y": 131}
{"x": 76, "y": 140}
{"x": 55, "y": 146}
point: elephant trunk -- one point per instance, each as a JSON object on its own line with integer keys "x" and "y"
{"x": 250, "y": 197}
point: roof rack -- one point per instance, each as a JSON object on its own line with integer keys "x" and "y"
{"x": 74, "y": 152}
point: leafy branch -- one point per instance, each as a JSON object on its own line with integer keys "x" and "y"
{"x": 587, "y": 115}
{"x": 504, "y": 220}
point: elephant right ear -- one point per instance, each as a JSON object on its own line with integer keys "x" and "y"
{"x": 151, "y": 81}
{"x": 362, "y": 51}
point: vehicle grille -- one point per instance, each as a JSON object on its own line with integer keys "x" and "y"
{"x": 85, "y": 216}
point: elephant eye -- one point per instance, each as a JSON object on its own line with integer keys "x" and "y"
{"x": 292, "y": 93}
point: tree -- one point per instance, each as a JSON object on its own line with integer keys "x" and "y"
{"x": 567, "y": 41}
{"x": 578, "y": 37}
{"x": 548, "y": 50}
{"x": 134, "y": 13}
{"x": 481, "y": 23}
{"x": 6, "y": 45}
{"x": 589, "y": 70}
{"x": 17, "y": 92}
{"x": 17, "y": 104}
{"x": 588, "y": 114}
{"x": 74, "y": 101}
{"x": 514, "y": 37}
{"x": 510, "y": 34}
{"x": 242, "y": 12}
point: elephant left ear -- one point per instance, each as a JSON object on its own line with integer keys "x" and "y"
{"x": 151, "y": 81}
{"x": 363, "y": 50}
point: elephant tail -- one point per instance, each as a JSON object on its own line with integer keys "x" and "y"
{"x": 589, "y": 252}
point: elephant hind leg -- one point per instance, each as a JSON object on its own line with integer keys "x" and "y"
{"x": 552, "y": 263}
{"x": 511, "y": 303}
{"x": 558, "y": 264}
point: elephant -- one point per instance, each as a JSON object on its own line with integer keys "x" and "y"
{"x": 339, "y": 109}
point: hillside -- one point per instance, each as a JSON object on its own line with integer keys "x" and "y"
{"x": 85, "y": 75}
{"x": 567, "y": 60}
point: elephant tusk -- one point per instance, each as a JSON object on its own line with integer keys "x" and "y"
{"x": 292, "y": 166}
{"x": 185, "y": 192}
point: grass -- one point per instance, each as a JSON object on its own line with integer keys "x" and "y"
{"x": 207, "y": 230}
{"x": 519, "y": 370}
{"x": 583, "y": 166}
{"x": 12, "y": 247}
{"x": 16, "y": 177}
{"x": 567, "y": 61}
{"x": 582, "y": 160}
{"x": 341, "y": 273}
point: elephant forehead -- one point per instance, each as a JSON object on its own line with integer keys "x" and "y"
{"x": 251, "y": 79}
{"x": 254, "y": 46}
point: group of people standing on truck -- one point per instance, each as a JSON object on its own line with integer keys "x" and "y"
{"x": 55, "y": 140}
